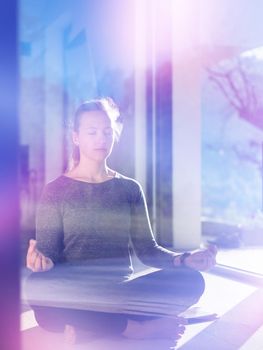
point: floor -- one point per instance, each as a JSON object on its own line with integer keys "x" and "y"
{"x": 248, "y": 258}
{"x": 239, "y": 306}
{"x": 255, "y": 342}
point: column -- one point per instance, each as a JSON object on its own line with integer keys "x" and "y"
{"x": 186, "y": 129}
{"x": 140, "y": 120}
{"x": 54, "y": 108}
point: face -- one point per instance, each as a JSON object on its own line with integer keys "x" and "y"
{"x": 95, "y": 136}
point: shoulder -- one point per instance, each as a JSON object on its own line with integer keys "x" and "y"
{"x": 128, "y": 181}
{"x": 132, "y": 186}
{"x": 54, "y": 189}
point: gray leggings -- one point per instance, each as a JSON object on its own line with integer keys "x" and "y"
{"x": 95, "y": 304}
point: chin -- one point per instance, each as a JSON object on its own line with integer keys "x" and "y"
{"x": 100, "y": 157}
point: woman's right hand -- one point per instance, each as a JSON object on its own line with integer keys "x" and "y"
{"x": 202, "y": 259}
{"x": 35, "y": 260}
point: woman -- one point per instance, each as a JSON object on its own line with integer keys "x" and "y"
{"x": 87, "y": 221}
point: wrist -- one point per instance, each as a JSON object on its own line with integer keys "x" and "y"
{"x": 179, "y": 260}
{"x": 176, "y": 261}
{"x": 183, "y": 258}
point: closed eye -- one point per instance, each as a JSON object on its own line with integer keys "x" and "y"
{"x": 93, "y": 131}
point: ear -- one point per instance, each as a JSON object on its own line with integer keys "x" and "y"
{"x": 75, "y": 138}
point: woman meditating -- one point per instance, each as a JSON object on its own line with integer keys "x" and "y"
{"x": 88, "y": 220}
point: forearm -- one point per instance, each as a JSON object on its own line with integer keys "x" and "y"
{"x": 180, "y": 259}
{"x": 152, "y": 254}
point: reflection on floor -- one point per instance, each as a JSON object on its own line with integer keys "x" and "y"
{"x": 245, "y": 258}
{"x": 255, "y": 342}
{"x": 232, "y": 300}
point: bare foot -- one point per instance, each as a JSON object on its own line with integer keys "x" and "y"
{"x": 73, "y": 335}
{"x": 169, "y": 328}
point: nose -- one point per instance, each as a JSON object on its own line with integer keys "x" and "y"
{"x": 102, "y": 139}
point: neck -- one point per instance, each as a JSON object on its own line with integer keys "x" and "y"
{"x": 92, "y": 171}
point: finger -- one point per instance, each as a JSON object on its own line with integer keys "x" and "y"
{"x": 32, "y": 245}
{"x": 209, "y": 254}
{"x": 49, "y": 263}
{"x": 212, "y": 248}
{"x": 202, "y": 263}
{"x": 44, "y": 263}
{"x": 31, "y": 257}
{"x": 38, "y": 262}
{"x": 210, "y": 262}
{"x": 213, "y": 262}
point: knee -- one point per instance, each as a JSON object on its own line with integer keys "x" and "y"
{"x": 198, "y": 283}
{"x": 47, "y": 319}
{"x": 191, "y": 283}
{"x": 29, "y": 285}
{"x": 35, "y": 286}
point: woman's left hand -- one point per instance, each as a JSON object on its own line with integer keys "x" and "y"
{"x": 203, "y": 259}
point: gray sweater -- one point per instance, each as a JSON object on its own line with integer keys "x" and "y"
{"x": 83, "y": 223}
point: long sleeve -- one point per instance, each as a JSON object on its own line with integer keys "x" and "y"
{"x": 49, "y": 226}
{"x": 145, "y": 245}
